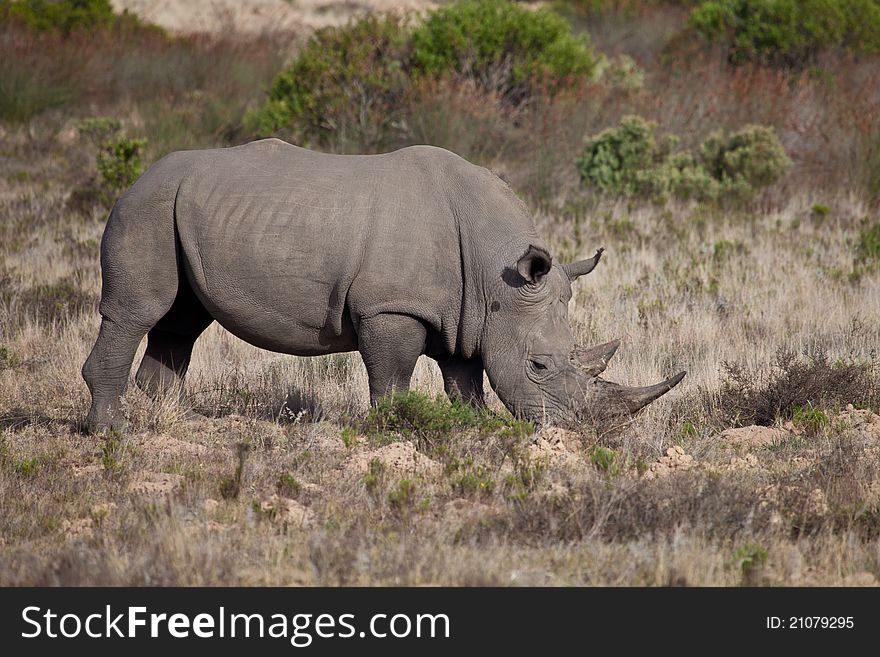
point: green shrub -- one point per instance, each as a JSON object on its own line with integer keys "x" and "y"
{"x": 60, "y": 15}
{"x": 415, "y": 415}
{"x": 346, "y": 83}
{"x": 28, "y": 467}
{"x": 24, "y": 95}
{"x": 750, "y": 559}
{"x": 809, "y": 417}
{"x": 787, "y": 32}
{"x": 745, "y": 160}
{"x": 402, "y": 498}
{"x": 119, "y": 162}
{"x": 502, "y": 45}
{"x": 630, "y": 160}
{"x": 352, "y": 84}
{"x": 604, "y": 459}
{"x": 868, "y": 245}
{"x": 527, "y": 475}
{"x": 374, "y": 477}
{"x": 614, "y": 159}
{"x": 621, "y": 72}
{"x": 468, "y": 479}
{"x": 230, "y": 487}
{"x": 288, "y": 485}
{"x": 8, "y": 359}
{"x": 98, "y": 128}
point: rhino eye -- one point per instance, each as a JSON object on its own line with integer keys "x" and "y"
{"x": 538, "y": 365}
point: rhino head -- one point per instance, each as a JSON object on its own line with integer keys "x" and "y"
{"x": 530, "y": 356}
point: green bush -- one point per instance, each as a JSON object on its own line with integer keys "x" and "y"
{"x": 503, "y": 46}
{"x": 415, "y": 415}
{"x": 119, "y": 162}
{"x": 868, "y": 245}
{"x": 63, "y": 16}
{"x": 746, "y": 160}
{"x": 630, "y": 160}
{"x": 788, "y": 32}
{"x": 98, "y": 128}
{"x": 353, "y": 83}
{"x": 8, "y": 359}
{"x": 347, "y": 83}
{"x": 23, "y": 95}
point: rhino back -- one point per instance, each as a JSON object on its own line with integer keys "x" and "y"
{"x": 290, "y": 248}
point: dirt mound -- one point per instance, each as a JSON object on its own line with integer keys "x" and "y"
{"x": 753, "y": 436}
{"x": 738, "y": 463}
{"x": 399, "y": 459}
{"x": 862, "y": 422}
{"x": 557, "y": 447}
{"x": 675, "y": 461}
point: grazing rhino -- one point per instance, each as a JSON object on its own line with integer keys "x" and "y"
{"x": 395, "y": 255}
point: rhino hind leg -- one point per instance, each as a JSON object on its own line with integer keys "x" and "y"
{"x": 140, "y": 284}
{"x": 390, "y": 345}
{"x": 106, "y": 373}
{"x": 170, "y": 344}
{"x": 463, "y": 379}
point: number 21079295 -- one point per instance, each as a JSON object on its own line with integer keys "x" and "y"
{"x": 810, "y": 623}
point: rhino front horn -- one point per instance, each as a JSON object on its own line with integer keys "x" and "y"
{"x": 637, "y": 398}
{"x": 594, "y": 360}
{"x": 575, "y": 269}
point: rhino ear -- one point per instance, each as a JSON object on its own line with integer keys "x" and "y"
{"x": 534, "y": 264}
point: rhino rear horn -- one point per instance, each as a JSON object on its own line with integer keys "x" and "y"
{"x": 575, "y": 269}
{"x": 594, "y": 360}
{"x": 637, "y": 398}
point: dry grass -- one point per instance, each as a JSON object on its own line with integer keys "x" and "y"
{"x": 318, "y": 502}
{"x": 682, "y": 287}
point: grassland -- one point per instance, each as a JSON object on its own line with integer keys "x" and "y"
{"x": 773, "y": 308}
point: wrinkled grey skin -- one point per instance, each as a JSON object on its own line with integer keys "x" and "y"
{"x": 395, "y": 255}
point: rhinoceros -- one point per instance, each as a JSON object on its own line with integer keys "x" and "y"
{"x": 395, "y": 255}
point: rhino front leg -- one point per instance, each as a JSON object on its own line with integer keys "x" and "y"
{"x": 390, "y": 346}
{"x": 463, "y": 379}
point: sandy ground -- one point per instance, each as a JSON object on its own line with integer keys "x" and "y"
{"x": 258, "y": 15}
